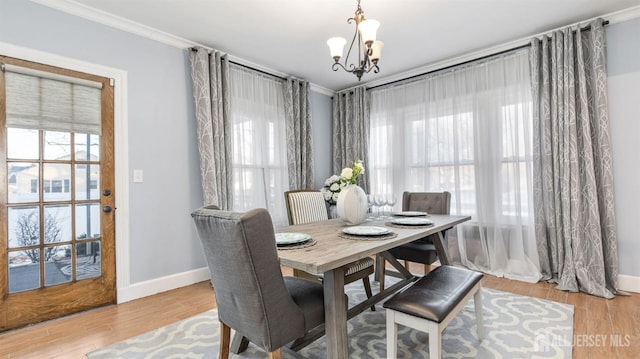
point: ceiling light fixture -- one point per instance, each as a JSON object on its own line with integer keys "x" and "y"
{"x": 369, "y": 50}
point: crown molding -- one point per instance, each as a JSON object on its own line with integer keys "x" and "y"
{"x": 105, "y": 18}
{"x": 147, "y": 32}
{"x": 613, "y": 18}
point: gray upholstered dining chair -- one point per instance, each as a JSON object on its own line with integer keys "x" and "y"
{"x": 307, "y": 206}
{"x": 252, "y": 296}
{"x": 422, "y": 250}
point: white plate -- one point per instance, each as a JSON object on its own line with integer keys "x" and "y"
{"x": 291, "y": 238}
{"x": 366, "y": 231}
{"x": 411, "y": 214}
{"x": 412, "y": 221}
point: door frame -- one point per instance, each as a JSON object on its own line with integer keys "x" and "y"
{"x": 120, "y": 143}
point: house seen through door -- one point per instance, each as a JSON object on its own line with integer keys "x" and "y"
{"x": 57, "y": 206}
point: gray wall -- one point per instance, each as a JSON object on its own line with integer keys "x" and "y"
{"x": 321, "y": 111}
{"x": 623, "y": 68}
{"x": 161, "y": 128}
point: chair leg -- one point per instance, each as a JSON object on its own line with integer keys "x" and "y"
{"x": 477, "y": 301}
{"x": 239, "y": 343}
{"x": 225, "y": 339}
{"x": 380, "y": 271}
{"x": 367, "y": 289}
{"x": 276, "y": 354}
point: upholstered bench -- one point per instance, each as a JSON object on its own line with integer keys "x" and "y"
{"x": 431, "y": 303}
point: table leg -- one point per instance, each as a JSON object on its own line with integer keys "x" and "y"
{"x": 442, "y": 251}
{"x": 335, "y": 307}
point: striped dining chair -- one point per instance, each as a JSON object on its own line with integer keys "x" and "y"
{"x": 307, "y": 206}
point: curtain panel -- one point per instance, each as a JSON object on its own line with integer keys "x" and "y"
{"x": 465, "y": 130}
{"x": 259, "y": 145}
{"x": 299, "y": 145}
{"x": 351, "y": 131}
{"x": 573, "y": 176}
{"x": 210, "y": 76}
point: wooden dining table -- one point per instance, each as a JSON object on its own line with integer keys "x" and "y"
{"x": 332, "y": 252}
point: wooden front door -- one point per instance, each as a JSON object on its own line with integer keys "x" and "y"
{"x": 57, "y": 230}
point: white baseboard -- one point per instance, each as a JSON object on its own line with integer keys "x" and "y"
{"x": 629, "y": 283}
{"x": 144, "y": 289}
{"x": 163, "y": 284}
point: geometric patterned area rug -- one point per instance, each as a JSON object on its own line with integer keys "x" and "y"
{"x": 515, "y": 326}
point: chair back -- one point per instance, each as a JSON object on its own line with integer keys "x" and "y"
{"x": 430, "y": 202}
{"x": 305, "y": 206}
{"x": 250, "y": 291}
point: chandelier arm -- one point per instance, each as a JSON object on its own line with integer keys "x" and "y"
{"x": 373, "y": 67}
{"x": 337, "y": 65}
{"x": 355, "y": 35}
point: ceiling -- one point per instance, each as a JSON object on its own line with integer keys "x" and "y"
{"x": 289, "y": 36}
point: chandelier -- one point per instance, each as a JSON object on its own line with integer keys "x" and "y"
{"x": 368, "y": 49}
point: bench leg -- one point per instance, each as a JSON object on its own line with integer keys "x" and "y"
{"x": 392, "y": 335}
{"x": 477, "y": 301}
{"x": 435, "y": 341}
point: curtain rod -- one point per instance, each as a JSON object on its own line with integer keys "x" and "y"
{"x": 586, "y": 28}
{"x": 249, "y": 67}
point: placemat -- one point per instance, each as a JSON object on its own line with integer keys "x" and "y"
{"x": 306, "y": 244}
{"x": 389, "y": 224}
{"x": 368, "y": 238}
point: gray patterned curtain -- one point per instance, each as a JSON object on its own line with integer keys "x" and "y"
{"x": 351, "y": 131}
{"x": 298, "y": 118}
{"x": 573, "y": 180}
{"x": 210, "y": 75}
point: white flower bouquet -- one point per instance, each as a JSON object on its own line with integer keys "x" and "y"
{"x": 334, "y": 184}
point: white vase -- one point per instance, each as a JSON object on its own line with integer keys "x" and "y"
{"x": 352, "y": 204}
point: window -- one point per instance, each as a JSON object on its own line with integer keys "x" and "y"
{"x": 259, "y": 142}
{"x": 468, "y": 131}
{"x": 460, "y": 131}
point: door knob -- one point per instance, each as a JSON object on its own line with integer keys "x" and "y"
{"x": 106, "y": 209}
{"x": 106, "y": 192}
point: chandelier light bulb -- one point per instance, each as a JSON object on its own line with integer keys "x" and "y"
{"x": 376, "y": 50}
{"x": 367, "y": 29}
{"x": 336, "y": 47}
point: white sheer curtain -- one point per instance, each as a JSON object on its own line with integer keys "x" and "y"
{"x": 259, "y": 142}
{"x": 465, "y": 130}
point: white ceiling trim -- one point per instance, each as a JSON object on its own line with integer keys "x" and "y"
{"x": 120, "y": 23}
{"x": 613, "y": 18}
{"x": 105, "y": 18}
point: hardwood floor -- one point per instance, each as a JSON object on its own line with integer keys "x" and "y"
{"x": 596, "y": 319}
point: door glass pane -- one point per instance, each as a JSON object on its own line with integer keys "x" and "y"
{"x": 87, "y": 174}
{"x": 57, "y": 145}
{"x": 23, "y": 182}
{"x": 57, "y": 265}
{"x": 87, "y": 147}
{"x": 56, "y": 182}
{"x": 57, "y": 223}
{"x": 88, "y": 260}
{"x": 24, "y": 226}
{"x": 24, "y": 270}
{"x": 22, "y": 144}
{"x": 87, "y": 220}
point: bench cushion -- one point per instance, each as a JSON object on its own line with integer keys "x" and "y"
{"x": 433, "y": 296}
